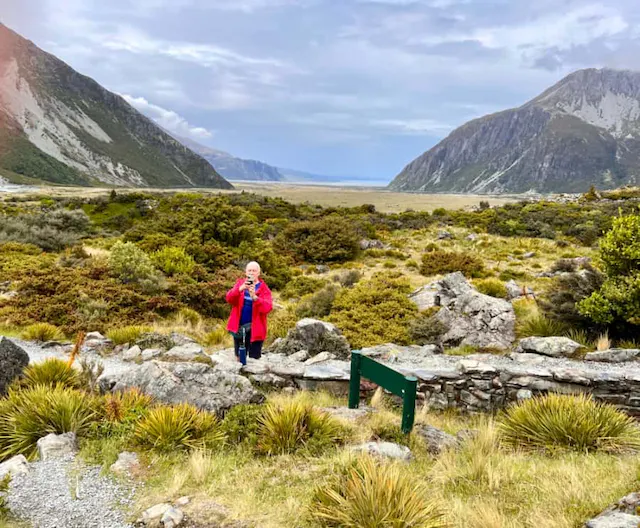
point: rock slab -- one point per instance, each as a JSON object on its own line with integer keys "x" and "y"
{"x": 548, "y": 346}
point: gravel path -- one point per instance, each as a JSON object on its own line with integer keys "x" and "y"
{"x": 45, "y": 496}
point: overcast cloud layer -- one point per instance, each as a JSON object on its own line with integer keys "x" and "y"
{"x": 341, "y": 87}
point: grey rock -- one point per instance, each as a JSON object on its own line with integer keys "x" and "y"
{"x": 384, "y": 450}
{"x": 529, "y": 359}
{"x": 16, "y": 465}
{"x": 313, "y": 336}
{"x": 180, "y": 339}
{"x": 182, "y": 501}
{"x": 150, "y": 353}
{"x": 470, "y": 366}
{"x": 126, "y": 463}
{"x": 319, "y": 358}
{"x": 328, "y": 370}
{"x": 529, "y": 254}
{"x": 132, "y": 353}
{"x": 322, "y": 268}
{"x": 288, "y": 370}
{"x": 56, "y": 446}
{"x": 435, "y": 439}
{"x": 444, "y": 235}
{"x": 372, "y": 244}
{"x": 524, "y": 394}
{"x": 186, "y": 352}
{"x": 154, "y": 340}
{"x": 614, "y": 355}
{"x": 196, "y": 383}
{"x": 172, "y": 518}
{"x": 515, "y": 291}
{"x": 152, "y": 516}
{"x": 13, "y": 361}
{"x": 269, "y": 379}
{"x": 614, "y": 519}
{"x": 471, "y": 317}
{"x": 301, "y": 356}
{"x": 548, "y": 346}
{"x": 472, "y": 237}
{"x": 94, "y": 336}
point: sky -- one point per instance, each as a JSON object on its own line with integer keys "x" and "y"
{"x": 356, "y": 88}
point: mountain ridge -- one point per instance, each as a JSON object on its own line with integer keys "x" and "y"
{"x": 63, "y": 127}
{"x": 583, "y": 130}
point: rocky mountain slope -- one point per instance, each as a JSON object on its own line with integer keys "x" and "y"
{"x": 234, "y": 168}
{"x": 584, "y": 130}
{"x": 59, "y": 126}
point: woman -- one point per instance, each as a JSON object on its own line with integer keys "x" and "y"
{"x": 250, "y": 301}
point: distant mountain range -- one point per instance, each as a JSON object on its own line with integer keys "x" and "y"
{"x": 59, "y": 126}
{"x": 583, "y": 131}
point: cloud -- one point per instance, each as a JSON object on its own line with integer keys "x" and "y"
{"x": 168, "y": 119}
{"x": 411, "y": 126}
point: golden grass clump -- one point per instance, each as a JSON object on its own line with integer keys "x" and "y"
{"x": 127, "y": 334}
{"x": 51, "y": 372}
{"x": 42, "y": 332}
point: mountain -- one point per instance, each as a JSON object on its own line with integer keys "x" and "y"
{"x": 59, "y": 126}
{"x": 231, "y": 167}
{"x": 584, "y": 130}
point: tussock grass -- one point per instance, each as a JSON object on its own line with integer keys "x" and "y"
{"x": 574, "y": 422}
{"x": 127, "y": 334}
{"x": 51, "y": 372}
{"x": 42, "y": 332}
{"x": 540, "y": 326}
{"x": 372, "y": 495}
{"x": 603, "y": 342}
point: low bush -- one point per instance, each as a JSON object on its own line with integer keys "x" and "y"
{"x": 217, "y": 336}
{"x": 440, "y": 262}
{"x": 426, "y": 329}
{"x": 183, "y": 426}
{"x": 319, "y": 304}
{"x": 329, "y": 239}
{"x": 28, "y": 415}
{"x": 348, "y": 278}
{"x": 295, "y": 426}
{"x": 241, "y": 424}
{"x": 375, "y": 311}
{"x": 42, "y": 332}
{"x": 51, "y": 372}
{"x": 188, "y": 316}
{"x": 370, "y": 494}
{"x": 301, "y": 286}
{"x": 127, "y": 334}
{"x": 173, "y": 261}
{"x": 568, "y": 422}
{"x": 493, "y": 287}
{"x": 131, "y": 265}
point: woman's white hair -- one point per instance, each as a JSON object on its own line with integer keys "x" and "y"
{"x": 254, "y": 263}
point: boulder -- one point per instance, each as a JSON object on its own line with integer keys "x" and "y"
{"x": 614, "y": 355}
{"x": 614, "y": 519}
{"x": 201, "y": 385}
{"x": 56, "y": 446}
{"x": 548, "y": 346}
{"x": 13, "y": 360}
{"x": 126, "y": 463}
{"x": 471, "y": 317}
{"x": 186, "y": 352}
{"x": 132, "y": 353}
{"x": 384, "y": 450}
{"x": 314, "y": 336}
{"x": 171, "y": 518}
{"x": 16, "y": 465}
{"x": 435, "y": 439}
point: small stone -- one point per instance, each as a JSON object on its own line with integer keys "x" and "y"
{"x": 187, "y": 352}
{"x": 132, "y": 354}
{"x": 16, "y": 465}
{"x": 151, "y": 353}
{"x": 182, "y": 501}
{"x": 524, "y": 394}
{"x": 155, "y": 513}
{"x": 529, "y": 254}
{"x": 302, "y": 355}
{"x": 444, "y": 235}
{"x": 322, "y": 356}
{"x": 322, "y": 268}
{"x": 126, "y": 463}
{"x": 55, "y": 446}
{"x": 94, "y": 336}
{"x": 268, "y": 379}
{"x": 472, "y": 237}
{"x": 172, "y": 518}
{"x": 385, "y": 450}
{"x": 435, "y": 439}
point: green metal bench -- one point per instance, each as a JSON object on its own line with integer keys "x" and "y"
{"x": 387, "y": 378}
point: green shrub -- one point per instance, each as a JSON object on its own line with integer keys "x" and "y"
{"x": 281, "y": 322}
{"x": 411, "y": 264}
{"x": 348, "y": 278}
{"x": 374, "y": 312}
{"x": 131, "y": 265}
{"x": 568, "y": 422}
{"x": 330, "y": 239}
{"x": 189, "y": 315}
{"x": 127, "y": 334}
{"x": 319, "y": 304}
{"x": 296, "y": 426}
{"x": 540, "y": 326}
{"x": 241, "y": 424}
{"x": 620, "y": 247}
{"x": 492, "y": 287}
{"x": 183, "y": 426}
{"x": 28, "y": 415}
{"x": 42, "y": 332}
{"x": 440, "y": 262}
{"x": 426, "y": 329}
{"x": 173, "y": 261}
{"x": 51, "y": 372}
{"x": 301, "y": 286}
{"x": 370, "y": 494}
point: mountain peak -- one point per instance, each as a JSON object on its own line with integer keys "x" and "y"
{"x": 60, "y": 126}
{"x": 583, "y": 130}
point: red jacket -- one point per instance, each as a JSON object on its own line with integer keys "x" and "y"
{"x": 261, "y": 307}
